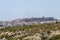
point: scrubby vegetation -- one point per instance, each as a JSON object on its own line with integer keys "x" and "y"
{"x": 56, "y": 37}
{"x": 21, "y": 32}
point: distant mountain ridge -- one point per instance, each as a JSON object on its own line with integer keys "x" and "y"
{"x": 40, "y": 19}
{"x": 26, "y": 21}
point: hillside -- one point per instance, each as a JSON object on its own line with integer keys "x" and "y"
{"x": 45, "y": 31}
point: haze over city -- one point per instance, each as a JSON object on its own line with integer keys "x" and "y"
{"x": 12, "y": 9}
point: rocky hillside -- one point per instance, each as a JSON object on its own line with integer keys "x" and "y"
{"x": 45, "y": 31}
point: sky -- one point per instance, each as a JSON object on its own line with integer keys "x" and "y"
{"x": 12, "y": 9}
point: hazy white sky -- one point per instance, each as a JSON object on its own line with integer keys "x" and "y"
{"x": 12, "y": 9}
